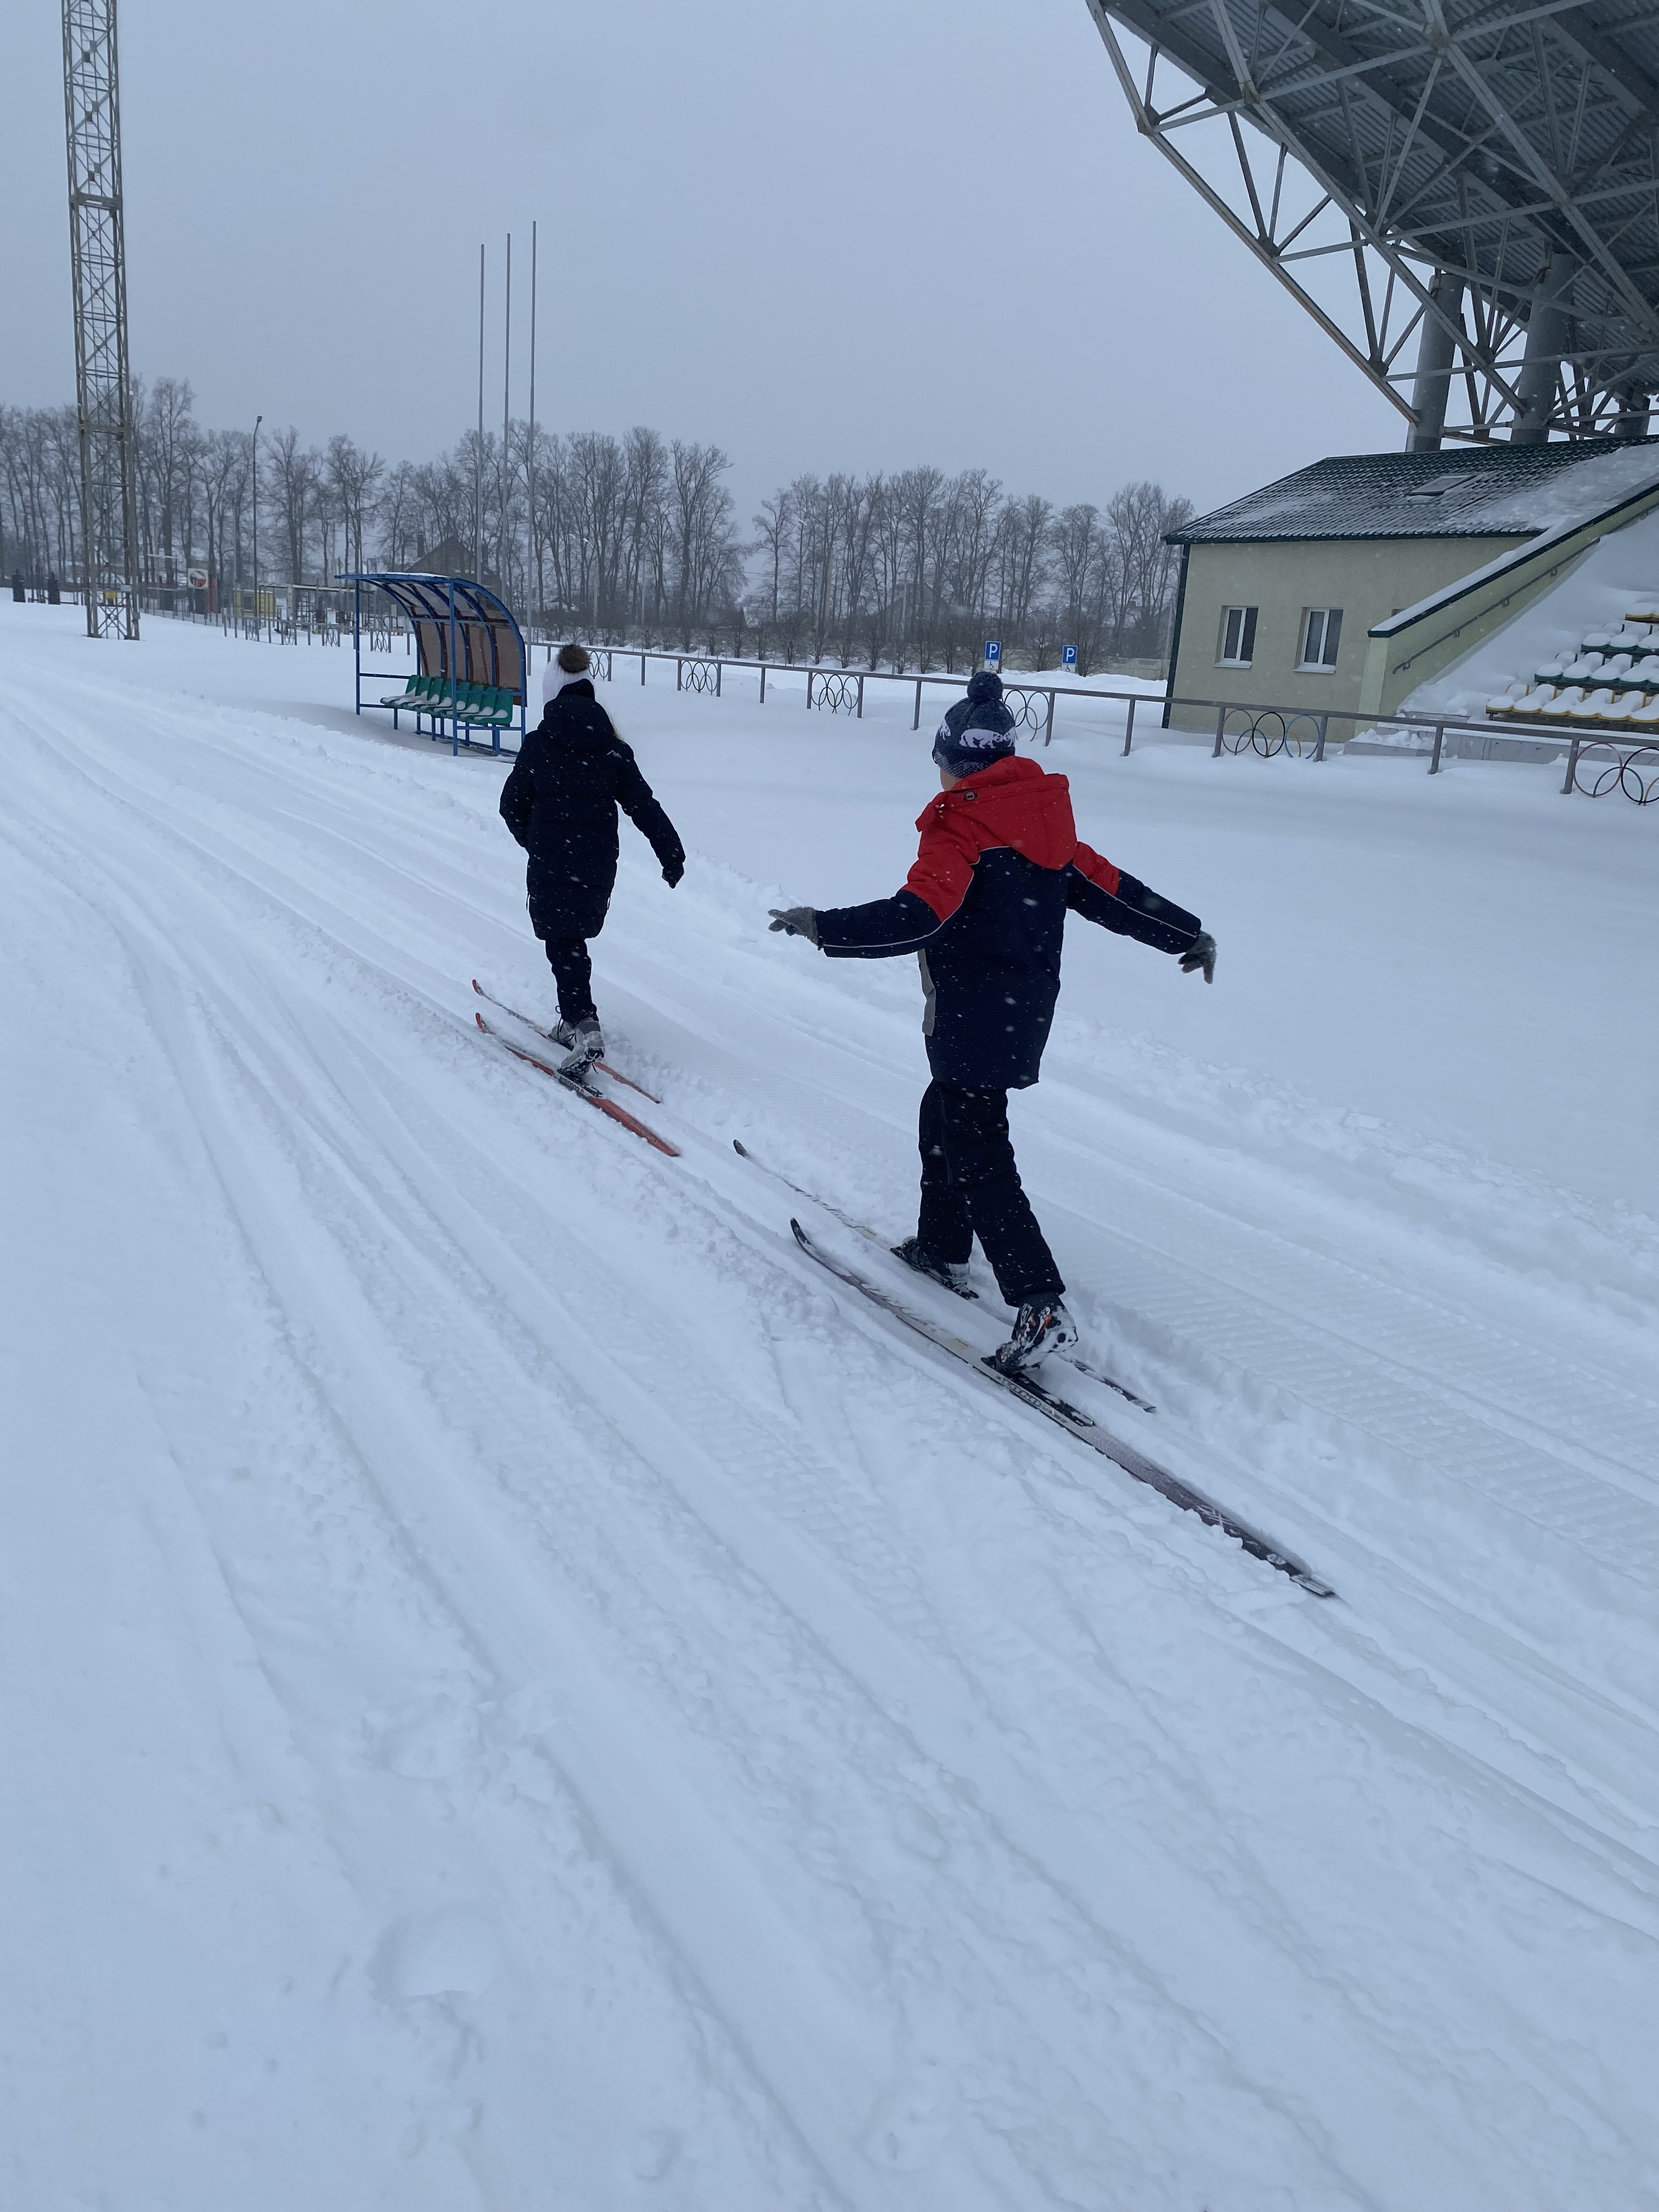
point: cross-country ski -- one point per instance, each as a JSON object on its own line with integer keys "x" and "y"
{"x": 874, "y": 1236}
{"x": 601, "y": 1067}
{"x": 583, "y": 1088}
{"x": 1082, "y": 1425}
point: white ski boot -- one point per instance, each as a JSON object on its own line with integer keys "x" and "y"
{"x": 1042, "y": 1327}
{"x": 585, "y": 1043}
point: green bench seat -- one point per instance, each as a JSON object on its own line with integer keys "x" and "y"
{"x": 474, "y": 706}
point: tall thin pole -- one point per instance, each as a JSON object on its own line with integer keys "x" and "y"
{"x": 257, "y": 421}
{"x": 530, "y": 461}
{"x": 506, "y": 417}
{"x": 477, "y": 450}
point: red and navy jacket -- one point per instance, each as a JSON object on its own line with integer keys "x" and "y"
{"x": 985, "y": 908}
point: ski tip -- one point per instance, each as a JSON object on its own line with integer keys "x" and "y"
{"x": 801, "y": 1237}
{"x": 741, "y": 1149}
{"x": 481, "y": 1023}
{"x": 479, "y": 988}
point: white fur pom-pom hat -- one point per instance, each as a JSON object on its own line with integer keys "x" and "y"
{"x": 558, "y": 673}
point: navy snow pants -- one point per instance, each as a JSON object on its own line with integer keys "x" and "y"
{"x": 573, "y": 972}
{"x": 970, "y": 1187}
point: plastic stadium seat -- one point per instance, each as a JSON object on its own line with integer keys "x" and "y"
{"x": 1591, "y": 709}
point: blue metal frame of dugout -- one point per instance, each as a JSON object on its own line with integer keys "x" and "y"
{"x": 465, "y": 633}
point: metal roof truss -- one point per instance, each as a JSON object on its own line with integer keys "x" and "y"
{"x": 1481, "y": 177}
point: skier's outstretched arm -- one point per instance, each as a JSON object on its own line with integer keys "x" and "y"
{"x": 1121, "y": 902}
{"x": 881, "y": 929}
{"x": 518, "y": 798}
{"x": 641, "y": 804}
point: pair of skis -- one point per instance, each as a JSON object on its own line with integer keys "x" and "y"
{"x": 1026, "y": 1389}
{"x": 873, "y": 1236}
{"x": 1075, "y": 1422}
{"x": 582, "y": 1084}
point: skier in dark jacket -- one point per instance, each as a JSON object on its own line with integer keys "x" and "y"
{"x": 984, "y": 908}
{"x": 560, "y": 803}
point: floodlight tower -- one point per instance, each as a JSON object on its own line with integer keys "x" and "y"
{"x": 98, "y": 261}
{"x": 1479, "y": 175}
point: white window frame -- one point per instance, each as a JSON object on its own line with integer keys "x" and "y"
{"x": 1249, "y": 619}
{"x": 1322, "y": 666}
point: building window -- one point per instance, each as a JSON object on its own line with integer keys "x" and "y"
{"x": 1321, "y": 637}
{"x": 1237, "y": 637}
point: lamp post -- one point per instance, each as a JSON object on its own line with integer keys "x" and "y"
{"x": 257, "y": 421}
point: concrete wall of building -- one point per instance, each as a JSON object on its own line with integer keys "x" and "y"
{"x": 1369, "y": 578}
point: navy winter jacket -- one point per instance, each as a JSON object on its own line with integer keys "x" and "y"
{"x": 984, "y": 907}
{"x": 560, "y": 803}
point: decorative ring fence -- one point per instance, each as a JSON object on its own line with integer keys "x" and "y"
{"x": 1598, "y": 764}
{"x": 1033, "y": 710}
{"x": 697, "y": 675}
{"x": 840, "y": 693}
{"x": 1631, "y": 770}
{"x": 1268, "y": 732}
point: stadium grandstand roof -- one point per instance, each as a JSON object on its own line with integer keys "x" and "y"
{"x": 1481, "y": 178}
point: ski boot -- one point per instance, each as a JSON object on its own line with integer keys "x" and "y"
{"x": 1042, "y": 1326}
{"x": 585, "y": 1041}
{"x": 953, "y": 1273}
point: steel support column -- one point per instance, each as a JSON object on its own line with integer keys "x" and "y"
{"x": 1548, "y": 328}
{"x": 1437, "y": 354}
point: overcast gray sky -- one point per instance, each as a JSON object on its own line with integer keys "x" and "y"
{"x": 851, "y": 237}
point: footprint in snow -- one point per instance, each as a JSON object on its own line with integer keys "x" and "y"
{"x": 453, "y": 1951}
{"x": 655, "y": 2152}
{"x": 430, "y": 1743}
{"x": 912, "y": 2121}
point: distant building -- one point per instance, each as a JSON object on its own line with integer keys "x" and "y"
{"x": 449, "y": 557}
{"x": 1350, "y": 583}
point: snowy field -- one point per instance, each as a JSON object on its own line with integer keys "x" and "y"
{"x": 518, "y": 1692}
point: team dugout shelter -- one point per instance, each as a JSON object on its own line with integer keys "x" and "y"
{"x": 470, "y": 659}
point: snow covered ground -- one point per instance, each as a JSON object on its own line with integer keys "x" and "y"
{"x": 518, "y": 1692}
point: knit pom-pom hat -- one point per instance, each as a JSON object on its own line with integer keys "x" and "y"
{"x": 568, "y": 665}
{"x": 977, "y": 730}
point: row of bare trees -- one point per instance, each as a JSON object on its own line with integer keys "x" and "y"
{"x": 918, "y": 567}
{"x": 631, "y": 538}
{"x": 194, "y": 495}
{"x": 588, "y": 532}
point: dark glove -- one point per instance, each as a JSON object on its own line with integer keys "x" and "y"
{"x": 672, "y": 871}
{"x": 796, "y": 922}
{"x": 1201, "y": 954}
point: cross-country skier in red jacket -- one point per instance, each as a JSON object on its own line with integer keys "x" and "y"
{"x": 984, "y": 908}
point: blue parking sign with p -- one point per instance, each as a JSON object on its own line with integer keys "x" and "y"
{"x": 1068, "y": 658}
{"x": 993, "y": 652}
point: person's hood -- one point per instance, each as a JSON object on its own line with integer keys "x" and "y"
{"x": 1013, "y": 802}
{"x": 576, "y": 691}
{"x": 563, "y": 718}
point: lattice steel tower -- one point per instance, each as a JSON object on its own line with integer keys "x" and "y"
{"x": 1481, "y": 174}
{"x": 103, "y": 388}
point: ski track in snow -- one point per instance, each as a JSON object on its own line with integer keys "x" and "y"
{"x": 672, "y": 1740}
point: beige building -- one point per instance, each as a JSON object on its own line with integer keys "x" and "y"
{"x": 1341, "y": 587}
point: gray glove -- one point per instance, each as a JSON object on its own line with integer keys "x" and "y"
{"x": 1201, "y": 954}
{"x": 796, "y": 922}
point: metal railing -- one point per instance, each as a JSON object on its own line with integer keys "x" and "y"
{"x": 841, "y": 691}
{"x": 1627, "y": 765}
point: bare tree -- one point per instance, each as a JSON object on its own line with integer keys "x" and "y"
{"x": 354, "y": 477}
